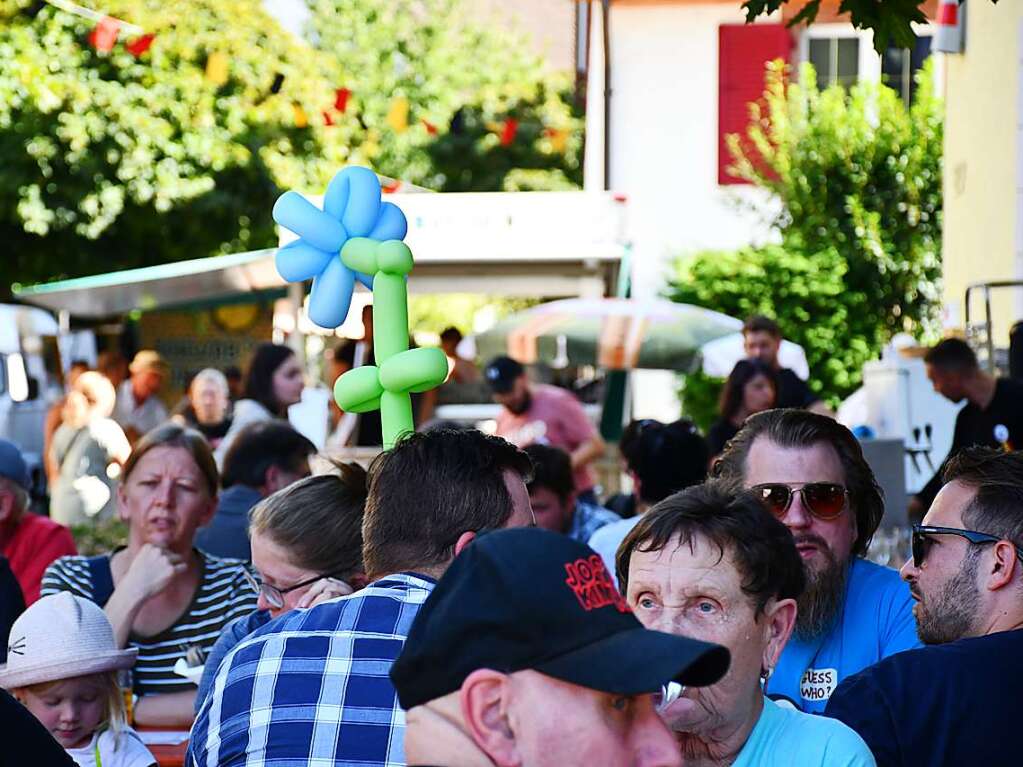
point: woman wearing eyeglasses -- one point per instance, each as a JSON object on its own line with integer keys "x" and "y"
{"x": 306, "y": 548}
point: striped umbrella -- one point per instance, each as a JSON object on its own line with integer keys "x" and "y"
{"x": 611, "y": 333}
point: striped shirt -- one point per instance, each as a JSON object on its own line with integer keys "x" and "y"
{"x": 312, "y": 687}
{"x": 223, "y": 595}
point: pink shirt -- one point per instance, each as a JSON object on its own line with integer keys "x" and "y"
{"x": 555, "y": 418}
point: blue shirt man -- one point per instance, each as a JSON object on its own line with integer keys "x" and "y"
{"x": 876, "y": 621}
{"x": 809, "y": 471}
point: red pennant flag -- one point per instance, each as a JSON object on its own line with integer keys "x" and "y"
{"x": 341, "y": 99}
{"x": 390, "y": 187}
{"x": 104, "y": 35}
{"x": 511, "y": 127}
{"x": 140, "y": 45}
{"x": 430, "y": 127}
{"x": 327, "y": 119}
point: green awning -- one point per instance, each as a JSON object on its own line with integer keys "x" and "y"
{"x": 217, "y": 279}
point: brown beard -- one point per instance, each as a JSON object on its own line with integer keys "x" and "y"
{"x": 822, "y": 598}
{"x": 949, "y": 615}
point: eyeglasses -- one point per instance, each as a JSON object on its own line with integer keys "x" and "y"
{"x": 922, "y": 543}
{"x": 824, "y": 500}
{"x": 275, "y": 596}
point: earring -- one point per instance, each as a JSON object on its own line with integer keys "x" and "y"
{"x": 765, "y": 674}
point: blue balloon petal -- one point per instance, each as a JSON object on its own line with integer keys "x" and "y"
{"x": 363, "y": 207}
{"x": 295, "y": 212}
{"x": 335, "y": 200}
{"x": 299, "y": 261}
{"x": 391, "y": 224}
{"x": 331, "y": 295}
{"x": 365, "y": 280}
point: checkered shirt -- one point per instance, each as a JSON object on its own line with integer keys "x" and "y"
{"x": 311, "y": 688}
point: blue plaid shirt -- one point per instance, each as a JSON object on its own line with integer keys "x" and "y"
{"x": 311, "y": 688}
{"x": 588, "y": 519}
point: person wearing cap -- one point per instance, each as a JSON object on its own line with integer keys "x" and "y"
{"x": 712, "y": 563}
{"x": 62, "y": 665}
{"x": 526, "y": 654}
{"x": 29, "y": 541}
{"x": 540, "y": 413}
{"x": 311, "y": 686}
{"x": 138, "y": 409}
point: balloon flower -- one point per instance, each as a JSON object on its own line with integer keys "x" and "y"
{"x": 358, "y": 237}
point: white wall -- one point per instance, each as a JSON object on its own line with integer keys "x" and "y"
{"x": 664, "y": 73}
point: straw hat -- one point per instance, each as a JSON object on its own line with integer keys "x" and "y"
{"x": 147, "y": 359}
{"x": 59, "y": 637}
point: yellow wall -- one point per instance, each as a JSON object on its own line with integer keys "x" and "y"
{"x": 981, "y": 160}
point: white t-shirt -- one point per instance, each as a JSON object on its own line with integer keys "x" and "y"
{"x": 126, "y": 750}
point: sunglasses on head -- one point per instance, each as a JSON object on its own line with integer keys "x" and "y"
{"x": 921, "y": 542}
{"x": 824, "y": 500}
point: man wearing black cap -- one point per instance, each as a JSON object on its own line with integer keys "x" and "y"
{"x": 525, "y": 655}
{"x": 547, "y": 415}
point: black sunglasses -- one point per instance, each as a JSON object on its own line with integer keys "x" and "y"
{"x": 824, "y": 500}
{"x": 922, "y": 543}
{"x": 274, "y": 595}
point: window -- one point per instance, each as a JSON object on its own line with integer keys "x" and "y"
{"x": 900, "y": 65}
{"x": 743, "y": 53}
{"x": 836, "y": 59}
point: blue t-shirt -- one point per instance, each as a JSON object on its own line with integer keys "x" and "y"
{"x": 784, "y": 737}
{"x": 876, "y": 621}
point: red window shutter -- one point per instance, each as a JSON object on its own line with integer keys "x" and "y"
{"x": 743, "y": 51}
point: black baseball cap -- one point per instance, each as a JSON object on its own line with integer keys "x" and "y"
{"x": 527, "y": 598}
{"x": 501, "y": 373}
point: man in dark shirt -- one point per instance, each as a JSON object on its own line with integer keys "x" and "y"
{"x": 955, "y": 702}
{"x": 762, "y": 340}
{"x": 12, "y": 604}
{"x": 993, "y": 415}
{"x": 265, "y": 457}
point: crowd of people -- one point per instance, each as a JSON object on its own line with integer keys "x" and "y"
{"x": 469, "y": 599}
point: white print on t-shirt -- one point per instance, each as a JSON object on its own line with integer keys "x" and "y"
{"x": 532, "y": 433}
{"x": 817, "y": 684}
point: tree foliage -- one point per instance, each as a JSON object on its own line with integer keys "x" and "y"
{"x": 117, "y": 161}
{"x": 858, "y": 176}
{"x": 463, "y": 79}
{"x": 891, "y": 21}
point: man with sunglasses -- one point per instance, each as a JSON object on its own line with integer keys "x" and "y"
{"x": 809, "y": 471}
{"x": 956, "y": 701}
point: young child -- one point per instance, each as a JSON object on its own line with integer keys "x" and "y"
{"x": 62, "y": 664}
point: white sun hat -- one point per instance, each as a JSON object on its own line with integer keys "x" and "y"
{"x": 59, "y": 637}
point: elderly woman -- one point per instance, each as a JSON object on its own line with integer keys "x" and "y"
{"x": 160, "y": 593}
{"x": 711, "y": 563}
{"x": 209, "y": 399}
{"x": 306, "y": 549}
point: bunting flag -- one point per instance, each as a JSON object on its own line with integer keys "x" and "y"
{"x": 508, "y": 131}
{"x": 341, "y": 99}
{"x": 397, "y": 115}
{"x": 327, "y": 119}
{"x": 140, "y": 45}
{"x": 301, "y": 119}
{"x": 558, "y": 139}
{"x": 278, "y": 82}
{"x": 216, "y": 68}
{"x": 104, "y": 35}
{"x": 430, "y": 127}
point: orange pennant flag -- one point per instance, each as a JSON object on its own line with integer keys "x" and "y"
{"x": 301, "y": 119}
{"x": 104, "y": 34}
{"x": 216, "y": 68}
{"x": 397, "y": 115}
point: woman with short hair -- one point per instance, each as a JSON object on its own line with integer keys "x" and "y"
{"x": 711, "y": 563}
{"x": 161, "y": 594}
